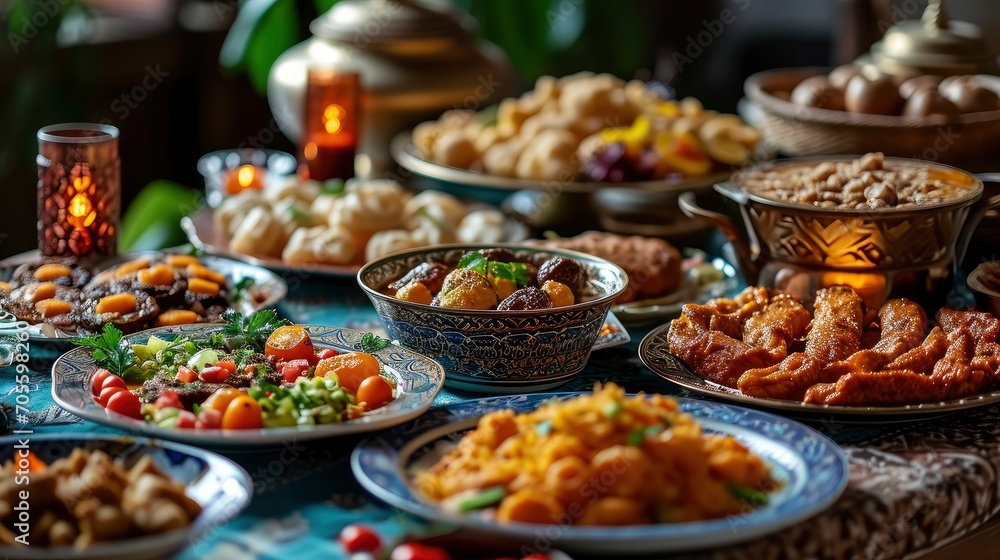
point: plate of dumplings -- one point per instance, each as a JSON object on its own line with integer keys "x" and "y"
{"x": 333, "y": 228}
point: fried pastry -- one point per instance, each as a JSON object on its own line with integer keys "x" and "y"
{"x": 902, "y": 324}
{"x": 849, "y": 357}
{"x": 835, "y": 333}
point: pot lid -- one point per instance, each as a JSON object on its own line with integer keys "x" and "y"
{"x": 933, "y": 45}
{"x": 385, "y": 21}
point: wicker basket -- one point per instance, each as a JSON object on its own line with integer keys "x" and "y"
{"x": 970, "y": 141}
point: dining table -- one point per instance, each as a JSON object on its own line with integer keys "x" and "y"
{"x": 923, "y": 487}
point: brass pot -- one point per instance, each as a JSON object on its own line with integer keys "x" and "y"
{"x": 415, "y": 61}
{"x": 884, "y": 253}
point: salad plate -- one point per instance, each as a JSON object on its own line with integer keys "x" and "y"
{"x": 221, "y": 487}
{"x": 811, "y": 469}
{"x": 417, "y": 380}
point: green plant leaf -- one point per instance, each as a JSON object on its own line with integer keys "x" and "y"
{"x": 323, "y": 6}
{"x": 152, "y": 221}
{"x": 262, "y": 31}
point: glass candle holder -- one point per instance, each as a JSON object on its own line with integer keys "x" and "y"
{"x": 79, "y": 190}
{"x": 330, "y": 131}
{"x": 228, "y": 172}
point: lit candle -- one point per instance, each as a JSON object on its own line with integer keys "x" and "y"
{"x": 79, "y": 190}
{"x": 870, "y": 286}
{"x": 330, "y": 135}
{"x": 245, "y": 177}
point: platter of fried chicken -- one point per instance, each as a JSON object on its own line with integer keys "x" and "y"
{"x": 767, "y": 348}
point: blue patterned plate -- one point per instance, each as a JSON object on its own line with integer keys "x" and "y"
{"x": 419, "y": 377}
{"x": 812, "y": 468}
{"x": 220, "y": 486}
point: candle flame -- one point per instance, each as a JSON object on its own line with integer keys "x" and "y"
{"x": 332, "y": 117}
{"x": 79, "y": 206}
{"x": 245, "y": 176}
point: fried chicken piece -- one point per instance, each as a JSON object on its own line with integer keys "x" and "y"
{"x": 982, "y": 326}
{"x": 836, "y": 327}
{"x": 875, "y": 388}
{"x": 713, "y": 354}
{"x": 777, "y": 326}
{"x": 902, "y": 323}
{"x": 971, "y": 362}
{"x": 834, "y": 335}
{"x": 786, "y": 380}
{"x": 922, "y": 358}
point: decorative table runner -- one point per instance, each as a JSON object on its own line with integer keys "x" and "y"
{"x": 914, "y": 486}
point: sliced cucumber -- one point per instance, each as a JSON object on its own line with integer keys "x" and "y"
{"x": 203, "y": 358}
{"x": 154, "y": 345}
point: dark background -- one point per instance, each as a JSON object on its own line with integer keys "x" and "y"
{"x": 82, "y": 60}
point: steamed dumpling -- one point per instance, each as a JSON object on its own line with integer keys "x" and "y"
{"x": 390, "y": 241}
{"x": 303, "y": 192}
{"x": 370, "y": 206}
{"x": 260, "y": 233}
{"x": 438, "y": 206}
{"x": 234, "y": 209}
{"x": 320, "y": 245}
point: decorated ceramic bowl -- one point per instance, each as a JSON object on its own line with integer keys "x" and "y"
{"x": 532, "y": 349}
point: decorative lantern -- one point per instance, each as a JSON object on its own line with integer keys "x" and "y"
{"x": 79, "y": 190}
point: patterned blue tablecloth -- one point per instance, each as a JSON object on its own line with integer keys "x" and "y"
{"x": 932, "y": 488}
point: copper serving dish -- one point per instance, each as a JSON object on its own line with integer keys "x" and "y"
{"x": 912, "y": 252}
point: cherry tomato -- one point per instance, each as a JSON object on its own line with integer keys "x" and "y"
{"x": 359, "y": 538}
{"x": 326, "y": 353}
{"x": 186, "y": 375}
{"x": 126, "y": 404}
{"x": 109, "y": 392}
{"x": 351, "y": 368}
{"x": 290, "y": 342}
{"x": 228, "y": 365}
{"x": 112, "y": 381}
{"x": 375, "y": 392}
{"x": 220, "y": 399}
{"x": 186, "y": 420}
{"x": 168, "y": 399}
{"x": 243, "y": 413}
{"x": 213, "y": 374}
{"x": 536, "y": 556}
{"x": 417, "y": 551}
{"x": 97, "y": 380}
{"x": 294, "y": 369}
{"x": 208, "y": 419}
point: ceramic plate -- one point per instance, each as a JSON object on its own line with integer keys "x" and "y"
{"x": 406, "y": 155}
{"x": 220, "y": 486}
{"x": 654, "y": 352}
{"x": 419, "y": 377}
{"x": 200, "y": 229}
{"x": 266, "y": 291}
{"x": 813, "y": 469}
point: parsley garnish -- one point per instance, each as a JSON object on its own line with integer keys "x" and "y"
{"x": 242, "y": 286}
{"x": 252, "y": 330}
{"x": 110, "y": 349}
{"x": 333, "y": 187}
{"x": 371, "y": 343}
{"x": 515, "y": 272}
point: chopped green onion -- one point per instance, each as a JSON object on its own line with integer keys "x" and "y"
{"x": 483, "y": 499}
{"x": 636, "y": 438}
{"x": 747, "y": 495}
{"x": 613, "y": 409}
{"x": 543, "y": 428}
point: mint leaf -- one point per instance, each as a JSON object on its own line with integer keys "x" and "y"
{"x": 474, "y": 261}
